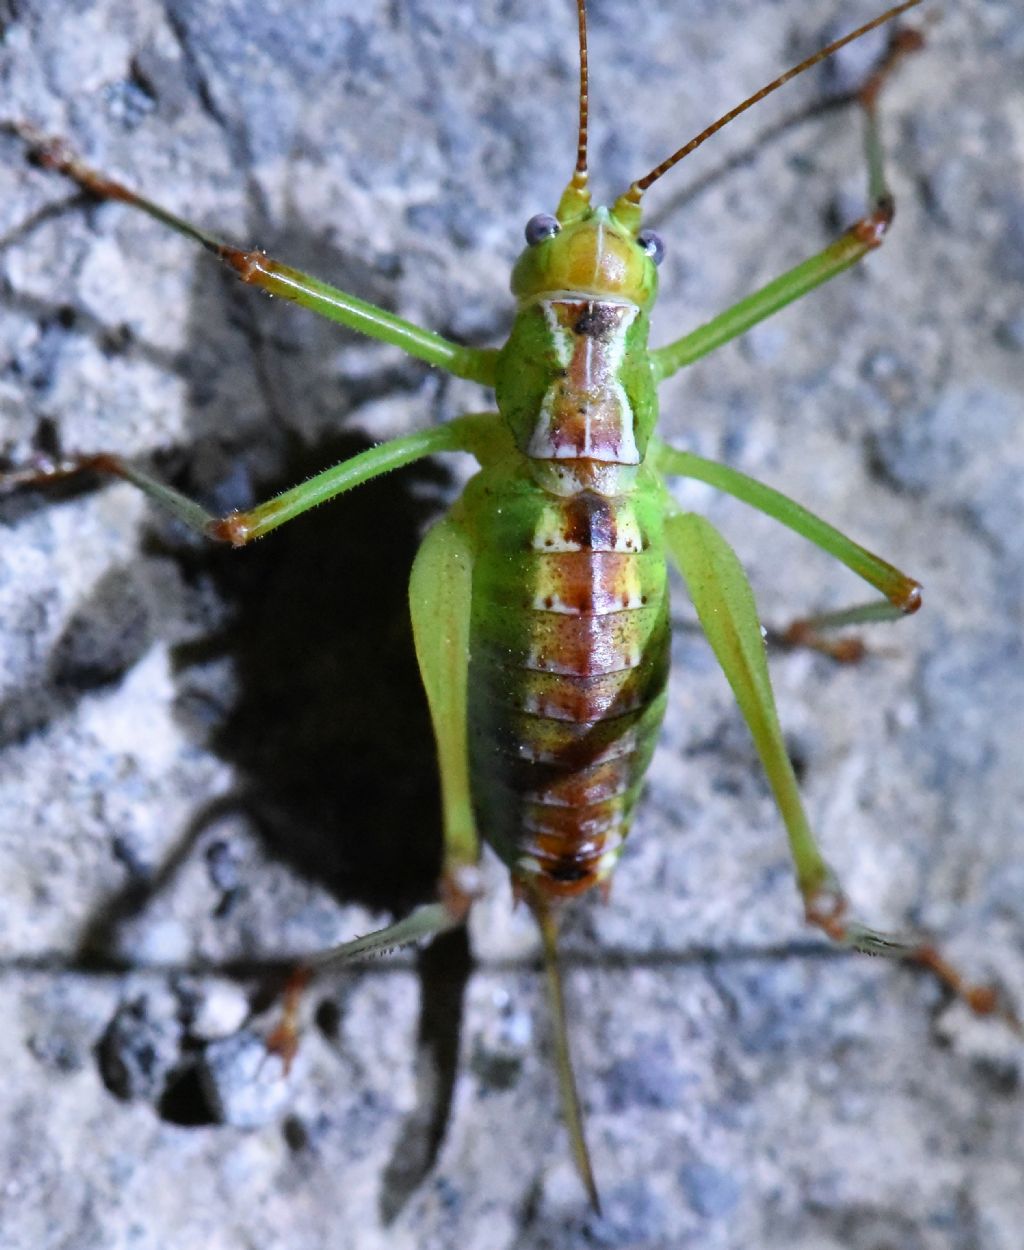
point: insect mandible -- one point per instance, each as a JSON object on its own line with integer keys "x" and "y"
{"x": 541, "y": 629}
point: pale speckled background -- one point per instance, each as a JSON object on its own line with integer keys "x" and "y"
{"x": 743, "y": 1089}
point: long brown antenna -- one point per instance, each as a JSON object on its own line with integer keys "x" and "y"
{"x": 640, "y": 186}
{"x": 576, "y": 197}
{"x": 581, "y": 143}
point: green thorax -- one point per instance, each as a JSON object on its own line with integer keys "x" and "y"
{"x": 574, "y": 383}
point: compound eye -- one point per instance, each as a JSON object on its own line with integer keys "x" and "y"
{"x": 542, "y": 226}
{"x": 651, "y": 243}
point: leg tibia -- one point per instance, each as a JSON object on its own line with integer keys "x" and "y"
{"x": 851, "y": 246}
{"x": 902, "y": 592}
{"x": 469, "y": 433}
{"x": 45, "y": 472}
{"x": 423, "y": 923}
{"x": 827, "y": 909}
{"x": 811, "y": 632}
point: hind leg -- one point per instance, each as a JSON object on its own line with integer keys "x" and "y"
{"x": 728, "y": 615}
{"x": 439, "y": 596}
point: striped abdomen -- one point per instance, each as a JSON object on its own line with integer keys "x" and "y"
{"x": 569, "y": 661}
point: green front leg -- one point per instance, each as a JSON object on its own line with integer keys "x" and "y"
{"x": 728, "y": 615}
{"x": 259, "y": 270}
{"x": 861, "y": 238}
{"x": 853, "y": 244}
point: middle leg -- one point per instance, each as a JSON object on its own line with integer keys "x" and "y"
{"x": 902, "y": 592}
{"x": 478, "y": 433}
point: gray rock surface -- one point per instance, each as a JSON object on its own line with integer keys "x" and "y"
{"x": 213, "y": 761}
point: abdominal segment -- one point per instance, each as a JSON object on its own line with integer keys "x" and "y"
{"x": 569, "y": 662}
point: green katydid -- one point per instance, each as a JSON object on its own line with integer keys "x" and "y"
{"x": 539, "y": 604}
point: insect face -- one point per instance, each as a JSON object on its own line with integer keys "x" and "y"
{"x": 594, "y": 254}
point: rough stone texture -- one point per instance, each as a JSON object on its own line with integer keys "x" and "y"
{"x": 215, "y": 760}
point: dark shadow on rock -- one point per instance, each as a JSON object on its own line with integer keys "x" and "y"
{"x": 328, "y": 733}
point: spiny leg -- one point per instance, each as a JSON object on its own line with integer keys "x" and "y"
{"x": 728, "y": 616}
{"x": 811, "y": 632}
{"x": 439, "y": 595}
{"x": 477, "y": 433}
{"x": 902, "y": 593}
{"x": 262, "y": 271}
{"x": 856, "y": 242}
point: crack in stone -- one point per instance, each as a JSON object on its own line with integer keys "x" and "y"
{"x": 102, "y": 967}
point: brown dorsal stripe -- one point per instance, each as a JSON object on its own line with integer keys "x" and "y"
{"x": 590, "y": 521}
